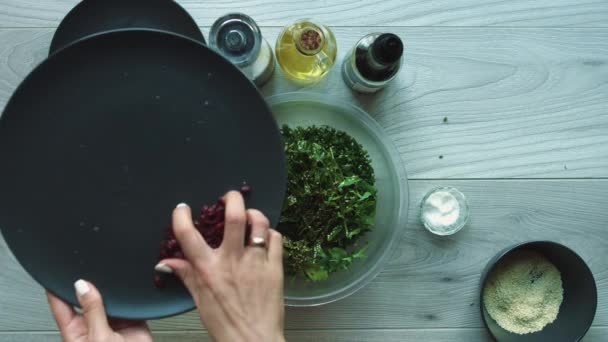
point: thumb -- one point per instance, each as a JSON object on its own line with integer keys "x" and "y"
{"x": 92, "y": 309}
{"x": 181, "y": 268}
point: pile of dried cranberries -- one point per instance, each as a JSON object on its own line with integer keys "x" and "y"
{"x": 210, "y": 223}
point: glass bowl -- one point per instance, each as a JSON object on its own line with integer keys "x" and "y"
{"x": 307, "y": 109}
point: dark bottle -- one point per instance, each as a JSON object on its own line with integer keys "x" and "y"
{"x": 373, "y": 62}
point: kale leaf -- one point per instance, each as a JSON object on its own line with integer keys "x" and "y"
{"x": 330, "y": 202}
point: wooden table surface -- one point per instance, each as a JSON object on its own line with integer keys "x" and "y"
{"x": 524, "y": 84}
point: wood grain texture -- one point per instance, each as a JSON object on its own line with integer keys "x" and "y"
{"x": 581, "y": 13}
{"x": 430, "y": 282}
{"x": 395, "y": 335}
{"x": 521, "y": 103}
{"x": 526, "y": 98}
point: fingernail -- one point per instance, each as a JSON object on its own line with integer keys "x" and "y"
{"x": 181, "y": 205}
{"x": 162, "y": 268}
{"x": 82, "y": 288}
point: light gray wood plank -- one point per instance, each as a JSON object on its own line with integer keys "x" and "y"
{"x": 589, "y": 13}
{"x": 395, "y": 335}
{"x": 430, "y": 282}
{"x": 523, "y": 103}
{"x": 520, "y": 103}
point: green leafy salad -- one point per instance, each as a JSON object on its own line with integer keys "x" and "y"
{"x": 330, "y": 202}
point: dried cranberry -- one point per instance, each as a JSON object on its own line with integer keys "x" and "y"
{"x": 159, "y": 282}
{"x": 163, "y": 254}
{"x": 219, "y": 226}
{"x": 172, "y": 244}
{"x": 210, "y": 224}
{"x": 170, "y": 233}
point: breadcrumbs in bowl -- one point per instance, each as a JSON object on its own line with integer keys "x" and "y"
{"x": 549, "y": 272}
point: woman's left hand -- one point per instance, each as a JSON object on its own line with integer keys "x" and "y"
{"x": 93, "y": 325}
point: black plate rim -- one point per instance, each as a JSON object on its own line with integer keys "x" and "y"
{"x": 119, "y": 31}
{"x": 53, "y": 49}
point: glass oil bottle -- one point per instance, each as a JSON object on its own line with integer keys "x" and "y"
{"x": 373, "y": 62}
{"x": 306, "y": 51}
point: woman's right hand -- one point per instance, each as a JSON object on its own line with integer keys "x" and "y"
{"x": 238, "y": 290}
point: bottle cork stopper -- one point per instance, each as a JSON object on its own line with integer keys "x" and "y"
{"x": 311, "y": 39}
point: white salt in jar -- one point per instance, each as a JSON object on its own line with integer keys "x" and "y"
{"x": 444, "y": 211}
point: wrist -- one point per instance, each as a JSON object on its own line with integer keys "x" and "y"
{"x": 279, "y": 336}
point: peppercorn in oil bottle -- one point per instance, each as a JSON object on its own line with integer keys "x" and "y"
{"x": 306, "y": 51}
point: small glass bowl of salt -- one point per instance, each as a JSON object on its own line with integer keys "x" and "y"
{"x": 444, "y": 211}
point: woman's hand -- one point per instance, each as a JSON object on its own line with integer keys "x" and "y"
{"x": 238, "y": 289}
{"x": 93, "y": 324}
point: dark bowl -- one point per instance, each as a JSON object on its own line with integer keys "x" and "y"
{"x": 580, "y": 295}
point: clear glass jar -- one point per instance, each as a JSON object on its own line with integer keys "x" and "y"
{"x": 238, "y": 38}
{"x": 306, "y": 51}
{"x": 444, "y": 211}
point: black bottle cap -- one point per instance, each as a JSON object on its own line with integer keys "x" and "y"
{"x": 387, "y": 49}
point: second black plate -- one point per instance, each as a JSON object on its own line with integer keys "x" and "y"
{"x": 95, "y": 16}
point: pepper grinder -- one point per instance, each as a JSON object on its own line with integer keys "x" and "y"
{"x": 238, "y": 38}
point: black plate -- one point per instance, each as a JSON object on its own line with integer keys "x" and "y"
{"x": 95, "y": 16}
{"x": 578, "y": 308}
{"x": 102, "y": 140}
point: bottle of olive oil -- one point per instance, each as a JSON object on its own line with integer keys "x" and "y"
{"x": 373, "y": 62}
{"x": 306, "y": 51}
